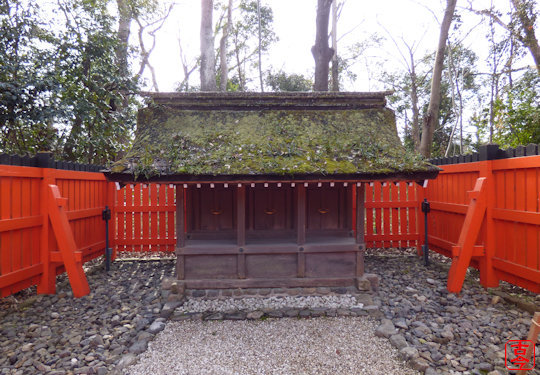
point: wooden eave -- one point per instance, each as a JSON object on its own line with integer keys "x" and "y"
{"x": 186, "y": 178}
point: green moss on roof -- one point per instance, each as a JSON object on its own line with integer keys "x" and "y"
{"x": 267, "y": 141}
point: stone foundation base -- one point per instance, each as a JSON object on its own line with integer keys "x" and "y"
{"x": 174, "y": 294}
{"x": 174, "y": 290}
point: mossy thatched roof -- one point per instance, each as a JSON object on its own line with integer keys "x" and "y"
{"x": 235, "y": 136}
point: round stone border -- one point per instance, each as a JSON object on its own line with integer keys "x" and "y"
{"x": 175, "y": 294}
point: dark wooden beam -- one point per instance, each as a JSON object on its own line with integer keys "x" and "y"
{"x": 301, "y": 215}
{"x": 301, "y": 262}
{"x": 360, "y": 224}
{"x": 128, "y": 177}
{"x": 268, "y": 283}
{"x": 241, "y": 230}
{"x": 360, "y": 261}
{"x": 360, "y": 214}
{"x": 241, "y": 215}
{"x": 270, "y": 248}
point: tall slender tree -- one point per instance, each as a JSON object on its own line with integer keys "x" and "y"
{"x": 260, "y": 43}
{"x": 322, "y": 53}
{"x": 335, "y": 62}
{"x": 526, "y": 17}
{"x": 431, "y": 119}
{"x": 125, "y": 16}
{"x": 223, "y": 67}
{"x": 208, "y": 60}
{"x": 521, "y": 27}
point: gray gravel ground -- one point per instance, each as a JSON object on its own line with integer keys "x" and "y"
{"x": 274, "y": 346}
{"x": 440, "y": 332}
{"x": 59, "y": 334}
{"x": 453, "y": 334}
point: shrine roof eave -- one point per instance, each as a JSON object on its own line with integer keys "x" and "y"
{"x": 261, "y": 178}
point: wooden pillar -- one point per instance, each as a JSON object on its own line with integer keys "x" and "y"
{"x": 301, "y": 215}
{"x": 301, "y": 229}
{"x": 241, "y": 230}
{"x": 180, "y": 231}
{"x": 360, "y": 214}
{"x": 360, "y": 195}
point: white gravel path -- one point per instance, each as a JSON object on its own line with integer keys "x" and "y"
{"x": 273, "y": 346}
{"x": 278, "y": 302}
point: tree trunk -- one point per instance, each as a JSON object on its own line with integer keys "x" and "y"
{"x": 260, "y": 42}
{"x": 527, "y": 25}
{"x": 415, "y": 126}
{"x": 431, "y": 119}
{"x": 208, "y": 62}
{"x": 322, "y": 53}
{"x": 335, "y": 67}
{"x": 224, "y": 69}
{"x": 124, "y": 22}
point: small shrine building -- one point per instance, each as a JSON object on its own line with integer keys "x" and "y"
{"x": 269, "y": 186}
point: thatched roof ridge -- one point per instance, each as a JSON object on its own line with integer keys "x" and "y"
{"x": 235, "y": 136}
{"x": 270, "y": 100}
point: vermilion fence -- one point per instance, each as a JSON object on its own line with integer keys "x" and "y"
{"x": 393, "y": 216}
{"x": 144, "y": 218}
{"x": 27, "y": 243}
{"x": 510, "y": 231}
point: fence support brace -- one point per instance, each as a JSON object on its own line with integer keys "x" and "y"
{"x": 466, "y": 247}
{"x": 68, "y": 254}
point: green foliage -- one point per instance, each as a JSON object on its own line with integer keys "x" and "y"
{"x": 462, "y": 62}
{"x": 281, "y": 81}
{"x": 97, "y": 97}
{"x": 25, "y": 79}
{"x": 60, "y": 86}
{"x": 516, "y": 114}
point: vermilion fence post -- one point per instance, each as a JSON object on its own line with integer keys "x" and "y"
{"x": 488, "y": 278}
{"x": 369, "y": 214}
{"x": 395, "y": 214}
{"x": 403, "y": 222}
{"x": 5, "y": 237}
{"x": 111, "y": 202}
{"x": 385, "y": 188}
{"x": 47, "y": 282}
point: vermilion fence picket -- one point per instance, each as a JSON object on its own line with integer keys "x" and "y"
{"x": 26, "y": 239}
{"x": 145, "y": 218}
{"x": 511, "y": 228}
{"x": 391, "y": 211}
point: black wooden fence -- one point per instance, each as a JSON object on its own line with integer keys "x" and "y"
{"x": 489, "y": 152}
{"x": 45, "y": 160}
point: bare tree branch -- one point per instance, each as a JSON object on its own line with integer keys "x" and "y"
{"x": 154, "y": 26}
